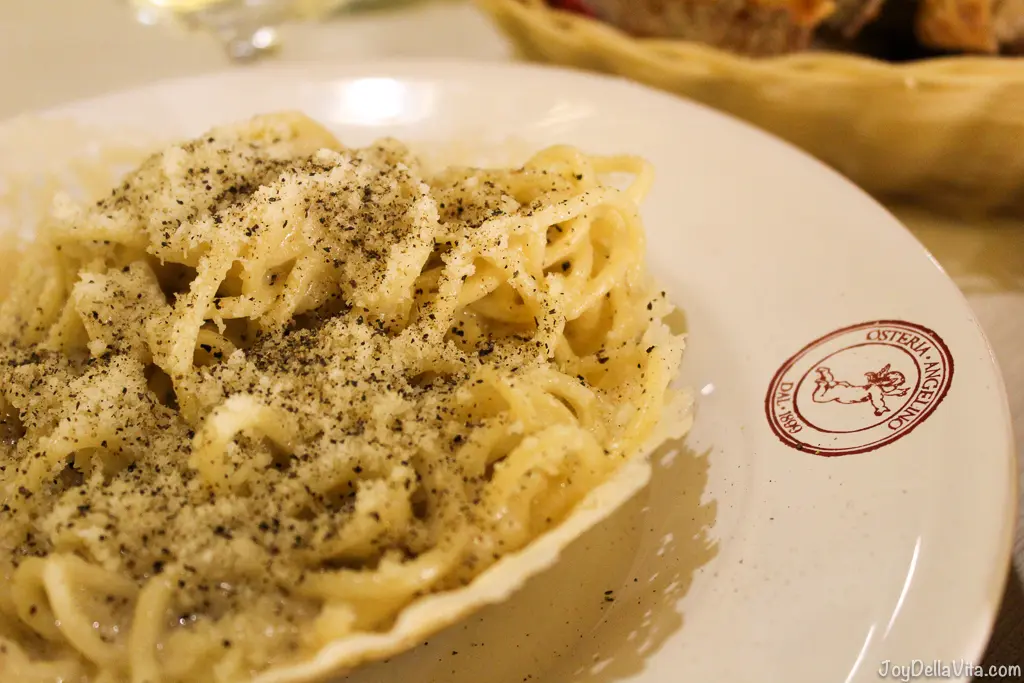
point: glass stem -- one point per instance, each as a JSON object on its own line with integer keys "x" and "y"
{"x": 245, "y": 44}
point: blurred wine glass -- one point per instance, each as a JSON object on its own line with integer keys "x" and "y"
{"x": 247, "y": 28}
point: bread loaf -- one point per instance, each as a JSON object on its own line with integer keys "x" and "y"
{"x": 982, "y": 26}
{"x": 763, "y": 28}
{"x": 850, "y": 16}
{"x": 752, "y": 27}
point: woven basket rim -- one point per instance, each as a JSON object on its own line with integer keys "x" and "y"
{"x": 685, "y": 55}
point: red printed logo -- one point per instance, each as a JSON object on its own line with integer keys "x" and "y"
{"x": 859, "y": 388}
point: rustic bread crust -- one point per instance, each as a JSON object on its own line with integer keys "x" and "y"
{"x": 985, "y": 26}
{"x": 1009, "y": 25}
{"x": 762, "y": 28}
{"x": 751, "y": 27}
{"x": 851, "y": 16}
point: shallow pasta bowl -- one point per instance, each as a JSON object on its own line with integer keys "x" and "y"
{"x": 844, "y": 504}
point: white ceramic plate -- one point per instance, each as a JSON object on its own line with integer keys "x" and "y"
{"x": 810, "y": 530}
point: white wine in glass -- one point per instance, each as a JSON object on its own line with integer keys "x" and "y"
{"x": 247, "y": 28}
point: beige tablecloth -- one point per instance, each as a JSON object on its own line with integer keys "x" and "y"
{"x": 57, "y": 50}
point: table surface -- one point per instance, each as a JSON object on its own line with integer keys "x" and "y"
{"x": 69, "y": 50}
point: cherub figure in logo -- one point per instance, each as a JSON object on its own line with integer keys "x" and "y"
{"x": 885, "y": 382}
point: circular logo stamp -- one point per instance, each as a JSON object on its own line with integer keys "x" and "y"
{"x": 859, "y": 388}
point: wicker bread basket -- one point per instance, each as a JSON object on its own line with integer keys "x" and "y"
{"x": 947, "y": 133}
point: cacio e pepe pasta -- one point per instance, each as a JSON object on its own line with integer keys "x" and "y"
{"x": 271, "y": 392}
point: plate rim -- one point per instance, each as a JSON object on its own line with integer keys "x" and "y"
{"x": 448, "y": 68}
